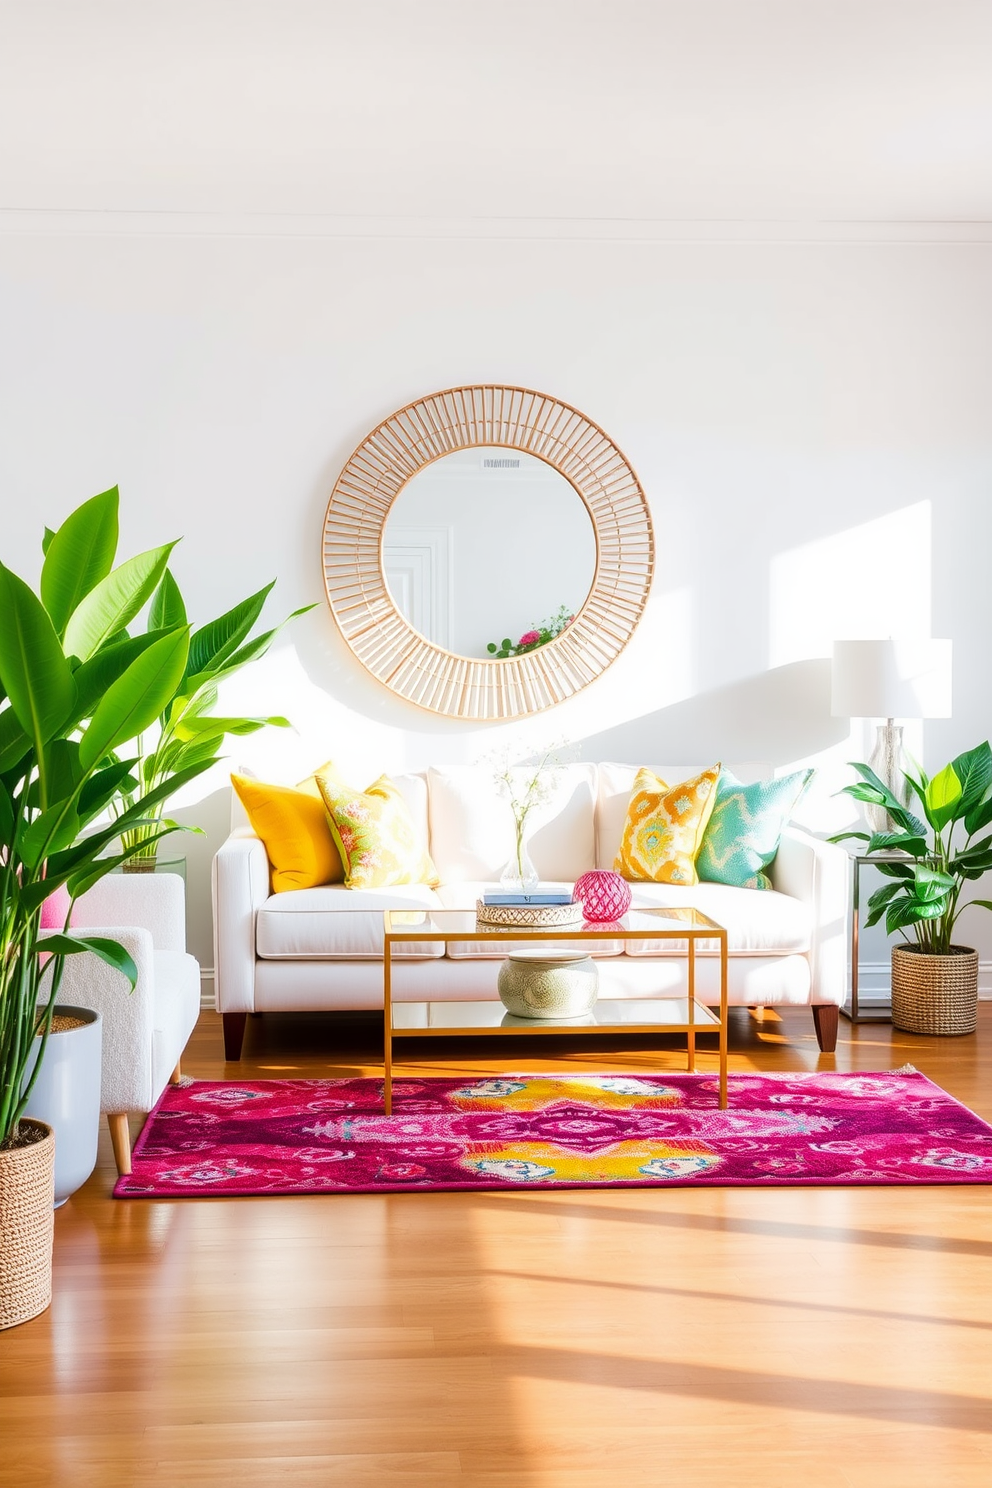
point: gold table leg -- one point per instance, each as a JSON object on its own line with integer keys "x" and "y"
{"x": 387, "y": 1011}
{"x": 723, "y": 1021}
{"x": 690, "y": 1037}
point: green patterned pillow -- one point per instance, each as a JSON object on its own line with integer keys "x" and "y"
{"x": 745, "y": 828}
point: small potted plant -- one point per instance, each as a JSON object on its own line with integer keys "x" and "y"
{"x": 934, "y": 980}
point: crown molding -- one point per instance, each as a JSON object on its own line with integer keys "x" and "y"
{"x": 58, "y": 221}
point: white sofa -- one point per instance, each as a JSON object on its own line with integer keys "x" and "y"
{"x": 320, "y": 949}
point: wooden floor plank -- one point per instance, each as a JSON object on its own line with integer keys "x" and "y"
{"x": 837, "y": 1337}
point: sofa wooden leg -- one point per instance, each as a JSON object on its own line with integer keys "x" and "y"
{"x": 234, "y": 1034}
{"x": 826, "y": 1016}
{"x": 177, "y": 1073}
{"x": 120, "y": 1136}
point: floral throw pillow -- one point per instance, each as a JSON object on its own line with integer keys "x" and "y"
{"x": 664, "y": 827}
{"x": 745, "y": 828}
{"x": 375, "y": 835}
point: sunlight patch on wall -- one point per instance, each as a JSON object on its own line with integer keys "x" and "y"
{"x": 666, "y": 637}
{"x": 322, "y": 728}
{"x": 867, "y": 582}
{"x": 822, "y": 810}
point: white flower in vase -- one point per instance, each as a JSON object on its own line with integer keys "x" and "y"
{"x": 525, "y": 786}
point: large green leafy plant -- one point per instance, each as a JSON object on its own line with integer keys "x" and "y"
{"x": 187, "y": 731}
{"x": 75, "y": 688}
{"x": 941, "y": 851}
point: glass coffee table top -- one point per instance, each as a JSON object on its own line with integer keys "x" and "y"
{"x": 445, "y": 924}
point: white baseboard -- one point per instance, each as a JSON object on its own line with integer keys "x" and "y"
{"x": 875, "y": 982}
{"x": 207, "y": 1003}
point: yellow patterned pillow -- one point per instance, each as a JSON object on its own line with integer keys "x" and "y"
{"x": 664, "y": 827}
{"x": 375, "y": 835}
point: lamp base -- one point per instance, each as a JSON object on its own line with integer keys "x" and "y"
{"x": 887, "y": 762}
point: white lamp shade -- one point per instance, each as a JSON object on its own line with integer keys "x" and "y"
{"x": 891, "y": 679}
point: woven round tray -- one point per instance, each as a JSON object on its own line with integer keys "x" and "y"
{"x": 529, "y": 916}
{"x": 935, "y": 994}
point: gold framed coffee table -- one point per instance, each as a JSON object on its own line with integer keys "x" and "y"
{"x": 441, "y": 1017}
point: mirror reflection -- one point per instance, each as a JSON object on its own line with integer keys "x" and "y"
{"x": 486, "y": 546}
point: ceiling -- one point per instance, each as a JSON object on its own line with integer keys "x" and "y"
{"x": 593, "y": 110}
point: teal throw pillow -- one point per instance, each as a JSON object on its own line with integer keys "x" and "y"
{"x": 745, "y": 828}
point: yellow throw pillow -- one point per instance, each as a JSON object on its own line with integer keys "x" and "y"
{"x": 375, "y": 835}
{"x": 292, "y": 824}
{"x": 664, "y": 827}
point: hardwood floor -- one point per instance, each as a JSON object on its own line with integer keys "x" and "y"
{"x": 592, "y": 1339}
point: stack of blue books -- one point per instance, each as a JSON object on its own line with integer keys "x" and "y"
{"x": 528, "y": 896}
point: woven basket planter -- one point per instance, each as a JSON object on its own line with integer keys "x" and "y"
{"x": 27, "y": 1216}
{"x": 934, "y": 994}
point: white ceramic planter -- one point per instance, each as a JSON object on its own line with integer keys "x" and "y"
{"x": 67, "y": 1098}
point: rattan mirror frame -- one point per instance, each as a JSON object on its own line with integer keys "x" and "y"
{"x": 484, "y": 689}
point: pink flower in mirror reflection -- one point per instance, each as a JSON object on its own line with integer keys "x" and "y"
{"x": 529, "y": 637}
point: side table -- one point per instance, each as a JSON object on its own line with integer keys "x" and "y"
{"x": 852, "y": 1011}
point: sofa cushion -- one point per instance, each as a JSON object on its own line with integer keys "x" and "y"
{"x": 338, "y": 924}
{"x": 757, "y": 923}
{"x": 472, "y": 825}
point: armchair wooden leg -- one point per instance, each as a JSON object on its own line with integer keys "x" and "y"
{"x": 177, "y": 1073}
{"x": 825, "y": 1021}
{"x": 234, "y": 1033}
{"x": 120, "y": 1136}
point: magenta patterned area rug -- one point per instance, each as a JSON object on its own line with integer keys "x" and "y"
{"x": 541, "y": 1131}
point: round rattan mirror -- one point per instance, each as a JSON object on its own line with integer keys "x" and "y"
{"x": 484, "y": 418}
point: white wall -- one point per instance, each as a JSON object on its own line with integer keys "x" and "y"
{"x": 797, "y": 413}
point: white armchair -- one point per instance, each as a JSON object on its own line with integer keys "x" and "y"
{"x": 144, "y": 1031}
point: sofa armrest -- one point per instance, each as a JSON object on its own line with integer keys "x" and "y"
{"x": 156, "y": 901}
{"x": 240, "y": 886}
{"x": 128, "y": 1016}
{"x": 817, "y": 873}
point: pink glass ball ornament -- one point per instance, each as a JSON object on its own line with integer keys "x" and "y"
{"x": 603, "y": 894}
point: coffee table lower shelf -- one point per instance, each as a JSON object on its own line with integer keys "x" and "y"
{"x": 609, "y": 1015}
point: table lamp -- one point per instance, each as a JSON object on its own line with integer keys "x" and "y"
{"x": 891, "y": 679}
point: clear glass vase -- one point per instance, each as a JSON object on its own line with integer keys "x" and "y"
{"x": 888, "y": 762}
{"x": 519, "y": 873}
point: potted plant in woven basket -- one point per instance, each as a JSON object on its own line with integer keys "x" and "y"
{"x": 934, "y": 980}
{"x": 74, "y": 687}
